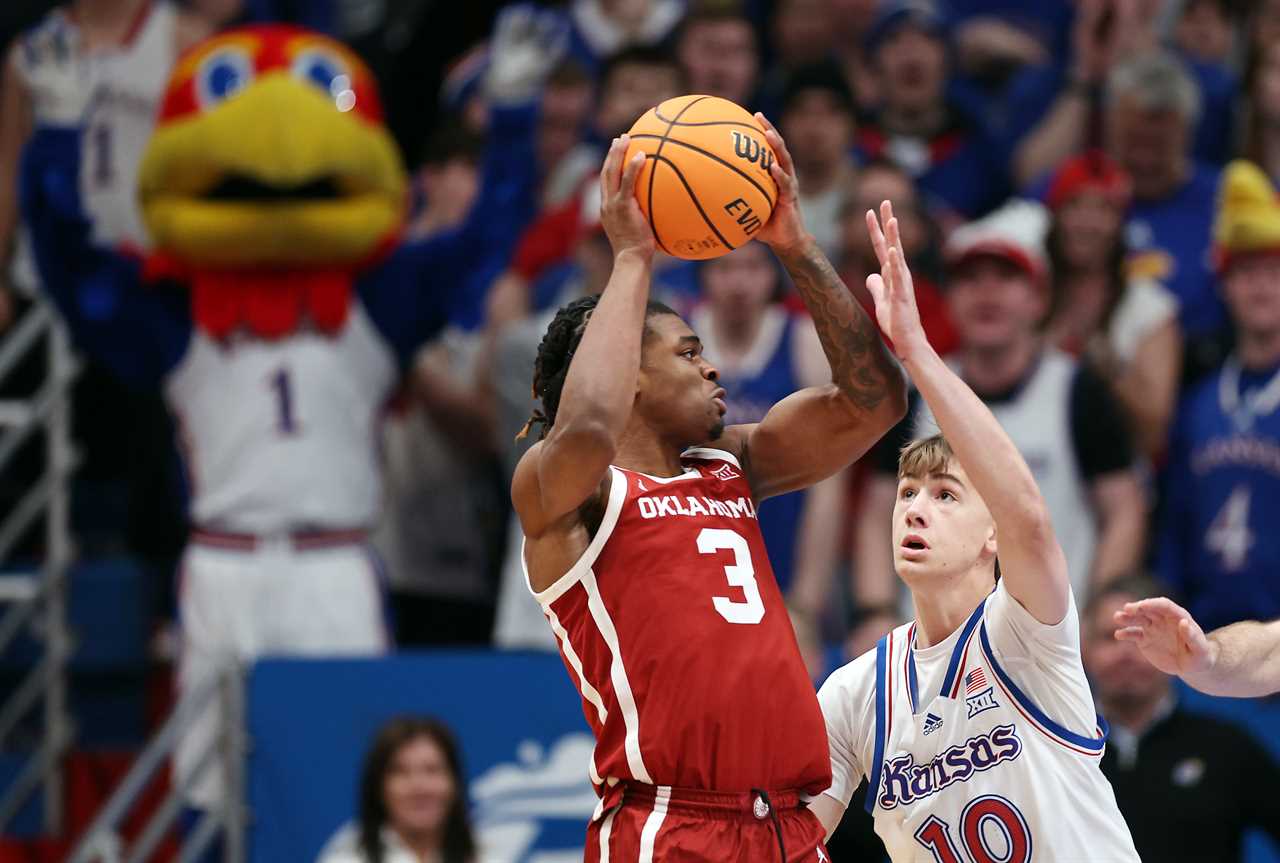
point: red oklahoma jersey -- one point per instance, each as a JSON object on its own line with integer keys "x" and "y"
{"x": 673, "y": 628}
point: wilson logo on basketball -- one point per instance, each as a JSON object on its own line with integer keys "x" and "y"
{"x": 746, "y": 147}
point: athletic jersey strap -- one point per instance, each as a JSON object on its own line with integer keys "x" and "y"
{"x": 884, "y": 697}
{"x": 956, "y": 665}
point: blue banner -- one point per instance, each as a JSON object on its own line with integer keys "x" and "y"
{"x": 525, "y": 747}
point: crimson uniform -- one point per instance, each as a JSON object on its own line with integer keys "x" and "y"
{"x": 675, "y": 632}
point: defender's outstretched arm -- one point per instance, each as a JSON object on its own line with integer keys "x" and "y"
{"x": 1032, "y": 562}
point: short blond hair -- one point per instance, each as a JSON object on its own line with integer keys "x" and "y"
{"x": 923, "y": 457}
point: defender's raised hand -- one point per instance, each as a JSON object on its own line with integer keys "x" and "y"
{"x": 785, "y": 232}
{"x": 891, "y": 288}
{"x": 624, "y": 224}
{"x": 1167, "y": 635}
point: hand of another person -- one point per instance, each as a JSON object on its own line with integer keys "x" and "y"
{"x": 785, "y": 231}
{"x": 620, "y": 214}
{"x": 891, "y": 288}
{"x": 1167, "y": 635}
{"x": 527, "y": 43}
{"x": 60, "y": 94}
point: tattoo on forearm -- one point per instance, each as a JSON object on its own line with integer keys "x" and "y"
{"x": 861, "y": 365}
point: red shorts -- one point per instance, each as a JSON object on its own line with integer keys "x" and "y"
{"x": 675, "y": 825}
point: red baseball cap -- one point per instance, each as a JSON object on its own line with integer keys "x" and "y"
{"x": 1092, "y": 171}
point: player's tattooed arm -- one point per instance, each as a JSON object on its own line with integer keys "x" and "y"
{"x": 816, "y": 432}
{"x": 1032, "y": 564}
{"x": 861, "y": 365}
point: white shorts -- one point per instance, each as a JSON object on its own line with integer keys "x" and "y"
{"x": 237, "y": 605}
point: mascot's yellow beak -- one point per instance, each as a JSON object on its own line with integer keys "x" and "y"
{"x": 276, "y": 176}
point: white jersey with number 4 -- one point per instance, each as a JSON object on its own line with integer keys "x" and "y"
{"x": 984, "y": 748}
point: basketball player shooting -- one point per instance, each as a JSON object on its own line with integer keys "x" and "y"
{"x": 974, "y": 723}
{"x": 638, "y": 507}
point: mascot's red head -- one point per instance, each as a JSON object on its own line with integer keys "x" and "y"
{"x": 270, "y": 179}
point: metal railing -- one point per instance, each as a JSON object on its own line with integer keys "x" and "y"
{"x": 36, "y": 602}
{"x": 102, "y": 842}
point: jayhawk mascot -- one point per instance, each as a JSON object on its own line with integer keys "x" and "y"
{"x": 276, "y": 310}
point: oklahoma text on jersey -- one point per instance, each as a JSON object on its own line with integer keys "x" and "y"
{"x": 685, "y": 505}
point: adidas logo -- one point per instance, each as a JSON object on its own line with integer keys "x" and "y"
{"x": 932, "y": 723}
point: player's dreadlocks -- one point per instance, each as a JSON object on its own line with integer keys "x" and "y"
{"x": 556, "y": 351}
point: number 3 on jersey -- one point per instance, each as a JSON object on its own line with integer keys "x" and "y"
{"x": 983, "y": 819}
{"x": 741, "y": 573}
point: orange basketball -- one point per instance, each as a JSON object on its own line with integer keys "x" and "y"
{"x": 705, "y": 186}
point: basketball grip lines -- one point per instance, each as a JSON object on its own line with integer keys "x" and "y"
{"x": 653, "y": 173}
{"x": 692, "y": 197}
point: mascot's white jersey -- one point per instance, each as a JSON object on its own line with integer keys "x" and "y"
{"x": 281, "y": 435}
{"x": 983, "y": 748}
{"x": 114, "y": 97}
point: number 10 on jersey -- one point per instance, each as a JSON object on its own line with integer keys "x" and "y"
{"x": 982, "y": 816}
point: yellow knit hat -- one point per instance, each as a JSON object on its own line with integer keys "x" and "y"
{"x": 1248, "y": 213}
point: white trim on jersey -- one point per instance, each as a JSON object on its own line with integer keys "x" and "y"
{"x": 618, "y": 677}
{"x": 653, "y": 823}
{"x": 711, "y": 454}
{"x": 613, "y": 509}
{"x": 606, "y": 829}
{"x": 691, "y": 473}
{"x": 1088, "y": 746}
{"x": 589, "y": 692}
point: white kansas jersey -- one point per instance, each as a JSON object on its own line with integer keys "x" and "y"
{"x": 114, "y": 97}
{"x": 984, "y": 748}
{"x": 281, "y": 435}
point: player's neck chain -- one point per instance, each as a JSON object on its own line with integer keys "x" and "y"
{"x": 1244, "y": 408}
